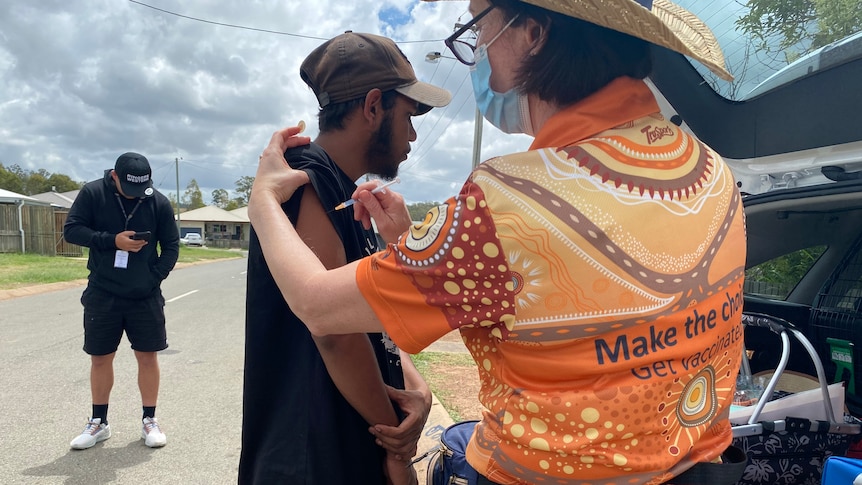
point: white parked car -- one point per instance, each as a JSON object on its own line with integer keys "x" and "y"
{"x": 192, "y": 239}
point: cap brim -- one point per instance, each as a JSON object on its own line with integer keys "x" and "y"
{"x": 427, "y": 95}
{"x": 137, "y": 190}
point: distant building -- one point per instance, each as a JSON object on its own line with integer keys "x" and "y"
{"x": 218, "y": 227}
{"x": 58, "y": 199}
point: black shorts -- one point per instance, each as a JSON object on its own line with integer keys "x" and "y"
{"x": 106, "y": 317}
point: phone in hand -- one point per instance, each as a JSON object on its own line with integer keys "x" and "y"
{"x": 142, "y": 236}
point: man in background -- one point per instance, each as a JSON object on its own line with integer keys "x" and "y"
{"x": 130, "y": 230}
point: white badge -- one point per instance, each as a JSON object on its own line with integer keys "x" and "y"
{"x": 121, "y": 259}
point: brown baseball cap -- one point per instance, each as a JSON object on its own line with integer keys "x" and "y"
{"x": 346, "y": 67}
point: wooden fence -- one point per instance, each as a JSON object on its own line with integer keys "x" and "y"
{"x": 227, "y": 243}
{"x": 43, "y": 231}
{"x": 64, "y": 248}
{"x": 10, "y": 237}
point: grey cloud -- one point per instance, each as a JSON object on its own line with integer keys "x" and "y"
{"x": 81, "y": 82}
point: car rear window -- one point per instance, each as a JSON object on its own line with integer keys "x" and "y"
{"x": 770, "y": 43}
{"x": 777, "y": 277}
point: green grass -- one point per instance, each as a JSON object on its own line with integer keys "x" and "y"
{"x": 427, "y": 362}
{"x": 191, "y": 255}
{"x": 19, "y": 270}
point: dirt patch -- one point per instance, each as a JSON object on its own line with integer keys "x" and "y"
{"x": 458, "y": 390}
{"x": 452, "y": 377}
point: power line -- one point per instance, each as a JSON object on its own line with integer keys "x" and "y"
{"x": 417, "y": 159}
{"x": 439, "y": 112}
{"x": 234, "y": 26}
{"x": 255, "y": 29}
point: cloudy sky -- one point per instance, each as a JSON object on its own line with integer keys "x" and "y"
{"x": 207, "y": 83}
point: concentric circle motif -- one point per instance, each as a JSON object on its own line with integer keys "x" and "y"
{"x": 698, "y": 402}
{"x": 421, "y": 237}
{"x": 518, "y": 282}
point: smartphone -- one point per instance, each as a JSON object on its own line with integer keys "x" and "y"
{"x": 142, "y": 236}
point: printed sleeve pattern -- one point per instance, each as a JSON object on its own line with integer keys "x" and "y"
{"x": 445, "y": 273}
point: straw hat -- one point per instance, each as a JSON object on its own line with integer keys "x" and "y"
{"x": 657, "y": 21}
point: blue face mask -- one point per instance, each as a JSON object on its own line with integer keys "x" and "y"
{"x": 509, "y": 111}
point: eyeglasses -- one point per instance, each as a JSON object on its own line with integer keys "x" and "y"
{"x": 462, "y": 43}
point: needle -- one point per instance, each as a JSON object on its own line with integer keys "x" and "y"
{"x": 349, "y": 202}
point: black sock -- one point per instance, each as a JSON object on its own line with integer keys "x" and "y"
{"x": 149, "y": 412}
{"x": 100, "y": 411}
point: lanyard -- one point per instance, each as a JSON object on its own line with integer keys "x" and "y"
{"x": 131, "y": 214}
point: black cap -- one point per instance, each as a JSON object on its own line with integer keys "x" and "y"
{"x": 133, "y": 171}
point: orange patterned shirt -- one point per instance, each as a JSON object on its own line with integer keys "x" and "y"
{"x": 597, "y": 281}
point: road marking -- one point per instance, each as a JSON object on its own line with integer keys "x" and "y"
{"x": 181, "y": 296}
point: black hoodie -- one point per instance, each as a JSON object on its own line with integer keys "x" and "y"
{"x": 97, "y": 217}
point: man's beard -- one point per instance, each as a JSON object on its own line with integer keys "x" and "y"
{"x": 381, "y": 159}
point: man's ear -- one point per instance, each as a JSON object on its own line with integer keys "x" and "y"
{"x": 373, "y": 106}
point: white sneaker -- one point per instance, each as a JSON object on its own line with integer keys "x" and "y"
{"x": 93, "y": 433}
{"x": 152, "y": 434}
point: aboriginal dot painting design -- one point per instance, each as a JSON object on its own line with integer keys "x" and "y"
{"x": 604, "y": 327}
{"x": 621, "y": 212}
{"x": 458, "y": 263}
{"x": 624, "y": 264}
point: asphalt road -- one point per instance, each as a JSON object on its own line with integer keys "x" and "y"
{"x": 45, "y": 396}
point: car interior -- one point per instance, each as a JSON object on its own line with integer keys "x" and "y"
{"x": 806, "y": 207}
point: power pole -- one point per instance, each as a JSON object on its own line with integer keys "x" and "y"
{"x": 177, "y": 163}
{"x": 434, "y": 57}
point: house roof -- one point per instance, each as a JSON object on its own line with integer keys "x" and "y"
{"x": 9, "y": 197}
{"x": 211, "y": 214}
{"x": 241, "y": 212}
{"x": 61, "y": 199}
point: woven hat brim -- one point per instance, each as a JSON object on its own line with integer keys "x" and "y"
{"x": 426, "y": 94}
{"x": 667, "y": 25}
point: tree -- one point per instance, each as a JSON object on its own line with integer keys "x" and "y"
{"x": 739, "y": 71}
{"x": 9, "y": 180}
{"x": 28, "y": 182}
{"x": 62, "y": 183}
{"x": 243, "y": 189}
{"x": 220, "y": 198}
{"x": 797, "y": 27}
{"x": 418, "y": 210}
{"x": 193, "y": 197}
{"x": 37, "y": 182}
{"x": 780, "y": 275}
{"x": 173, "y": 199}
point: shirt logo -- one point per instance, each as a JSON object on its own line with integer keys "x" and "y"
{"x": 655, "y": 134}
